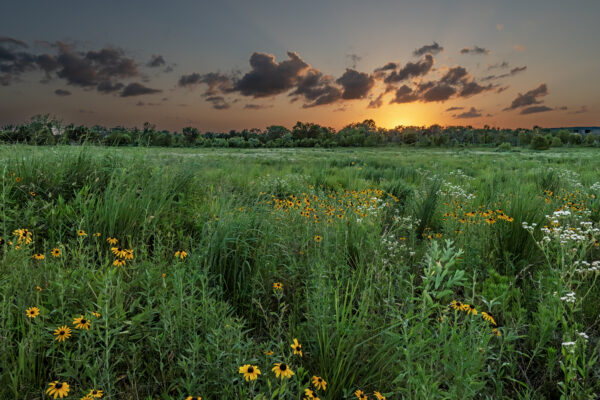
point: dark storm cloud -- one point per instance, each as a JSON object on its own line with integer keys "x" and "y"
{"x": 62, "y": 92}
{"x": 472, "y": 113}
{"x": 156, "y": 61}
{"x": 411, "y": 70}
{"x": 529, "y": 98}
{"x": 474, "y": 50}
{"x": 535, "y": 109}
{"x": 472, "y": 88}
{"x": 267, "y": 77}
{"x": 433, "y": 48}
{"x": 404, "y": 94}
{"x": 454, "y": 108}
{"x": 355, "y": 85}
{"x": 137, "y": 89}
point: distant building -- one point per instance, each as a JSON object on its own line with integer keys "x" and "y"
{"x": 583, "y": 130}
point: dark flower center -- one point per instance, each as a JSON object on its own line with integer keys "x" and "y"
{"x": 83, "y": 322}
{"x": 61, "y": 333}
{"x": 58, "y": 385}
{"x": 472, "y": 306}
{"x": 283, "y": 367}
{"x": 250, "y": 370}
{"x": 94, "y": 391}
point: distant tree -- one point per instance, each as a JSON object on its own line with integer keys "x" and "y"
{"x": 539, "y": 142}
{"x": 190, "y": 135}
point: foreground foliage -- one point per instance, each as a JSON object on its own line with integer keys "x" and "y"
{"x": 147, "y": 274}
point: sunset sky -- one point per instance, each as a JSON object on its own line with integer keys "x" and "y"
{"x": 249, "y": 64}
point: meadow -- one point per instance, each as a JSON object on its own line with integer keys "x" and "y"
{"x": 169, "y": 273}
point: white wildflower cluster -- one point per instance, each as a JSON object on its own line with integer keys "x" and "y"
{"x": 407, "y": 223}
{"x": 568, "y": 344}
{"x": 459, "y": 173}
{"x": 566, "y": 228}
{"x": 585, "y": 267}
{"x": 373, "y": 206}
{"x": 569, "y": 297}
{"x": 392, "y": 248}
{"x": 595, "y": 187}
{"x": 455, "y": 192}
{"x": 569, "y": 178}
{"x": 287, "y": 184}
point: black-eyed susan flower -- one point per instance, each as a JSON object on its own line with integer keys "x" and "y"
{"x": 277, "y": 286}
{"x": 58, "y": 389}
{"x": 469, "y": 309}
{"x": 318, "y": 239}
{"x": 181, "y": 254}
{"x": 97, "y": 234}
{"x": 268, "y": 352}
{"x": 96, "y": 314}
{"x": 38, "y": 288}
{"x": 488, "y": 318}
{"x": 297, "y": 347}
{"x": 62, "y": 333}
{"x": 457, "y": 305}
{"x": 82, "y": 323}
{"x": 496, "y": 332}
{"x": 193, "y": 398}
{"x": 250, "y": 372}
{"x": 360, "y": 395}
{"x": 38, "y": 256}
{"x": 95, "y": 393}
{"x": 17, "y": 179}
{"x": 81, "y": 233}
{"x": 128, "y": 254}
{"x": 112, "y": 240}
{"x": 55, "y": 252}
{"x": 379, "y": 395}
{"x": 282, "y": 370}
{"x": 119, "y": 252}
{"x": 311, "y": 394}
{"x": 32, "y": 312}
{"x": 32, "y": 193}
{"x": 319, "y": 382}
{"x": 119, "y": 263}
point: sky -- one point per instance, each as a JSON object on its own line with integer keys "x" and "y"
{"x": 238, "y": 64}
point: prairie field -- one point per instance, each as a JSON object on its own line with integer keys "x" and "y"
{"x": 148, "y": 273}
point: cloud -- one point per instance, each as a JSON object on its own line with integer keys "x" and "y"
{"x": 62, "y": 92}
{"x": 472, "y": 113}
{"x": 433, "y": 48}
{"x": 387, "y": 67}
{"x": 317, "y": 89}
{"x": 109, "y": 87}
{"x": 156, "y": 61}
{"x": 455, "y": 75}
{"x": 12, "y": 41}
{"x": 377, "y": 102}
{"x": 411, "y": 70}
{"x": 535, "y": 109}
{"x": 438, "y": 93}
{"x": 512, "y": 72}
{"x": 215, "y": 82}
{"x": 218, "y": 102}
{"x": 454, "y": 108}
{"x": 256, "y": 106}
{"x": 581, "y": 110}
{"x": 474, "y": 50}
{"x": 354, "y": 59}
{"x": 529, "y": 98}
{"x": 268, "y": 77}
{"x": 503, "y": 64}
{"x": 404, "y": 94}
{"x": 137, "y": 89}
{"x": 355, "y": 85}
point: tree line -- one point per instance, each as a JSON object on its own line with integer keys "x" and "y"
{"x": 45, "y": 130}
